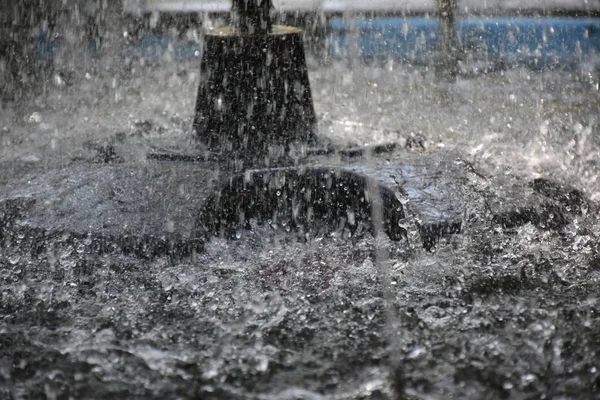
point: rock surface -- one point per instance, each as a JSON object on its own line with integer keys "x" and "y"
{"x": 171, "y": 207}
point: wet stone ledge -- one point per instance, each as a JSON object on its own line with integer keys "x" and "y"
{"x": 172, "y": 208}
{"x": 146, "y": 211}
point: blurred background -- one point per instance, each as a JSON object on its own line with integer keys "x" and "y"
{"x": 41, "y": 35}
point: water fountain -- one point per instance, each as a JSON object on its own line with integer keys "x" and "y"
{"x": 253, "y": 109}
{"x": 266, "y": 275}
{"x": 254, "y": 103}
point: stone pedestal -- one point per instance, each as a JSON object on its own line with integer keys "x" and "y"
{"x": 254, "y": 95}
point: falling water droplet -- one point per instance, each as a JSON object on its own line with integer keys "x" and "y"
{"x": 14, "y": 259}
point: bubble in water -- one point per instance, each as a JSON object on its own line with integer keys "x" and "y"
{"x": 417, "y": 352}
{"x": 262, "y": 363}
{"x": 35, "y": 118}
{"x": 212, "y": 370}
{"x": 14, "y": 259}
{"x": 527, "y": 379}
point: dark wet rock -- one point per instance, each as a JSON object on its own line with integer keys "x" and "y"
{"x": 543, "y": 203}
{"x": 107, "y": 154}
{"x": 572, "y": 199}
{"x": 545, "y": 215}
{"x": 152, "y": 211}
{"x": 171, "y": 208}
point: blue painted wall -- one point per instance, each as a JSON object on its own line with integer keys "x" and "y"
{"x": 538, "y": 42}
{"x": 533, "y": 41}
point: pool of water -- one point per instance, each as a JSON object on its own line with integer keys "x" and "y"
{"x": 507, "y": 308}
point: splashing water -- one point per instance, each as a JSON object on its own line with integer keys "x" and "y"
{"x": 496, "y": 311}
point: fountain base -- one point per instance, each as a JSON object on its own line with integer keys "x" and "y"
{"x": 121, "y": 208}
